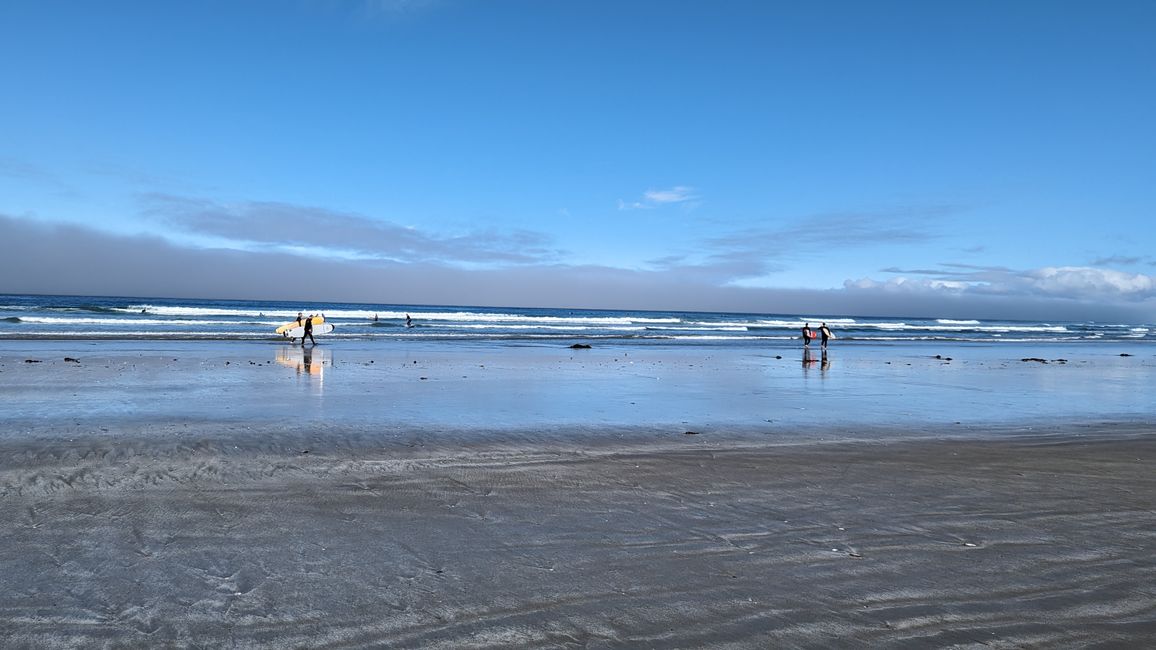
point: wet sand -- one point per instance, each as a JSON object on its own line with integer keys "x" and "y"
{"x": 247, "y": 495}
{"x": 1040, "y": 541}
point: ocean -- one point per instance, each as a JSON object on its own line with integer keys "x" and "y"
{"x": 31, "y": 317}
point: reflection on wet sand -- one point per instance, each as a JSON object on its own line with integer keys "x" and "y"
{"x": 810, "y": 360}
{"x": 308, "y": 361}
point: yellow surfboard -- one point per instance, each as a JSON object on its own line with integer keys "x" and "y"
{"x": 317, "y": 320}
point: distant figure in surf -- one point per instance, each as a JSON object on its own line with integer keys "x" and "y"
{"x": 308, "y": 331}
{"x": 825, "y": 333}
{"x": 807, "y": 335}
{"x": 408, "y": 321}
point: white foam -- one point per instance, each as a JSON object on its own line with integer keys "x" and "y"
{"x": 164, "y": 310}
{"x": 54, "y": 320}
{"x": 368, "y": 315}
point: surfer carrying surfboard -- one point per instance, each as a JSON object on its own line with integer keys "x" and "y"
{"x": 807, "y": 335}
{"x": 293, "y": 339}
{"x": 308, "y": 331}
{"x": 825, "y": 332}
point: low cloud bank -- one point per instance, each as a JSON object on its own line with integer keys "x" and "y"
{"x": 60, "y": 259}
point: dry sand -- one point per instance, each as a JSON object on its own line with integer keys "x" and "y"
{"x": 1045, "y": 541}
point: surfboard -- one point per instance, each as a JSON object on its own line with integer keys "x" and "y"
{"x": 317, "y": 320}
{"x": 299, "y": 331}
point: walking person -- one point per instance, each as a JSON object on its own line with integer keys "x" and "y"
{"x": 825, "y": 333}
{"x": 308, "y": 331}
{"x": 807, "y": 335}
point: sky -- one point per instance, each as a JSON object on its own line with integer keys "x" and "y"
{"x": 978, "y": 159}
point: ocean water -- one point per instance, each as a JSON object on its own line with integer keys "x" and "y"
{"x": 30, "y": 317}
{"x": 87, "y": 364}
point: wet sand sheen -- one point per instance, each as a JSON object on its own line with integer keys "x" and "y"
{"x": 1034, "y": 541}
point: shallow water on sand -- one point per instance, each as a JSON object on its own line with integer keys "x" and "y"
{"x": 474, "y": 388}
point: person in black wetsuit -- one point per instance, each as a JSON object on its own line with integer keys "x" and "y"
{"x": 825, "y": 333}
{"x": 308, "y": 331}
{"x": 806, "y": 335}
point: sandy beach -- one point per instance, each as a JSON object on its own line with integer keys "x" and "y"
{"x": 1040, "y": 542}
{"x": 151, "y": 499}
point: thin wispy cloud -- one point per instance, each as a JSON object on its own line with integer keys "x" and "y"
{"x": 758, "y": 252}
{"x": 721, "y": 268}
{"x": 24, "y": 172}
{"x": 652, "y": 199}
{"x": 141, "y": 179}
{"x": 1121, "y": 260}
{"x": 899, "y": 225}
{"x": 396, "y": 8}
{"x": 841, "y": 229}
{"x": 386, "y": 10}
{"x": 278, "y": 226}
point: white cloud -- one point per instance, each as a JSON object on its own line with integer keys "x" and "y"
{"x": 1065, "y": 282}
{"x": 657, "y": 198}
{"x": 1086, "y": 282}
{"x": 676, "y": 194}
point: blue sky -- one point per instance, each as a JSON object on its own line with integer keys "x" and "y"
{"x": 941, "y": 159}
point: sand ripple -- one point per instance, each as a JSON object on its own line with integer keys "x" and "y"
{"x": 916, "y": 544}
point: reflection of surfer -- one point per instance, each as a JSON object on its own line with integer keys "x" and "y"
{"x": 810, "y": 360}
{"x": 307, "y": 357}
